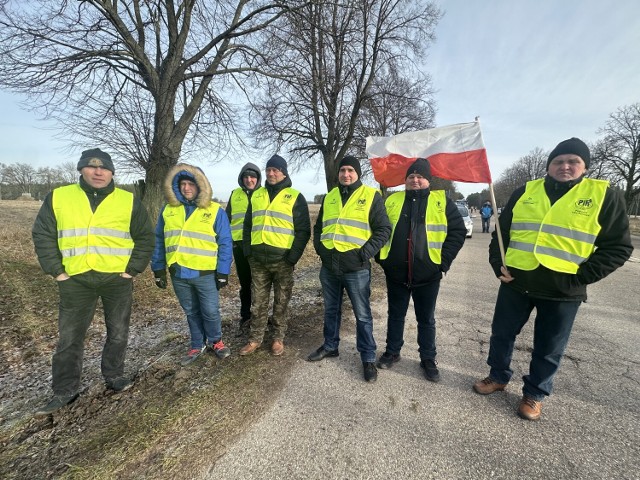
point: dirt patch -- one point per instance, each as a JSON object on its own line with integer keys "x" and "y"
{"x": 161, "y": 427}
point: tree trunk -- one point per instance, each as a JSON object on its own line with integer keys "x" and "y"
{"x": 331, "y": 172}
{"x": 159, "y": 166}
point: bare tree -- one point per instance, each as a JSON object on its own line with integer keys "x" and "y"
{"x": 528, "y": 167}
{"x": 68, "y": 172}
{"x": 21, "y": 175}
{"x": 324, "y": 60}
{"x": 395, "y": 104}
{"x": 617, "y": 155}
{"x": 135, "y": 76}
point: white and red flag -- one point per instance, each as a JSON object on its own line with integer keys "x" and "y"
{"x": 455, "y": 152}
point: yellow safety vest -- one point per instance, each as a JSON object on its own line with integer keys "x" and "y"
{"x": 99, "y": 241}
{"x": 191, "y": 242}
{"x": 436, "y": 224}
{"x": 272, "y": 222}
{"x": 560, "y": 237}
{"x": 347, "y": 227}
{"x": 239, "y": 204}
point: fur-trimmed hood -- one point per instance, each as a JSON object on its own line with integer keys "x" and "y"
{"x": 172, "y": 189}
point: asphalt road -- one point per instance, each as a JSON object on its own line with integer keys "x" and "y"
{"x": 329, "y": 424}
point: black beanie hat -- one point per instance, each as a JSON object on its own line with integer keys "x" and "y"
{"x": 572, "y": 145}
{"x": 421, "y": 166}
{"x": 96, "y": 158}
{"x": 353, "y": 162}
{"x": 278, "y": 162}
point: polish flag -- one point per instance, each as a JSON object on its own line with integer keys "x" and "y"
{"x": 455, "y": 152}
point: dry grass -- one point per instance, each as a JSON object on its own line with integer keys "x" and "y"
{"x": 160, "y": 428}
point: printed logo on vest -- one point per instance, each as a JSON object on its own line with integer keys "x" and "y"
{"x": 584, "y": 203}
{"x": 528, "y": 201}
{"x": 206, "y": 217}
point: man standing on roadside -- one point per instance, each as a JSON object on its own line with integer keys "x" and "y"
{"x": 276, "y": 231}
{"x": 485, "y": 213}
{"x": 351, "y": 228}
{"x": 428, "y": 233}
{"x": 193, "y": 240}
{"x": 93, "y": 238}
{"x": 249, "y": 181}
{"x": 562, "y": 232}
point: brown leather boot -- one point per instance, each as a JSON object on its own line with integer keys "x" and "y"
{"x": 249, "y": 348}
{"x": 529, "y": 409}
{"x": 487, "y": 386}
{"x": 277, "y": 348}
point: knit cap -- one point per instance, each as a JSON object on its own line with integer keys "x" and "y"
{"x": 353, "y": 162}
{"x": 572, "y": 145}
{"x": 422, "y": 167}
{"x": 96, "y": 158}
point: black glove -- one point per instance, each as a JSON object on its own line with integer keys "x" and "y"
{"x": 222, "y": 280}
{"x": 161, "y": 278}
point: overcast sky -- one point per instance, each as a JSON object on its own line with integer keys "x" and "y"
{"x": 535, "y": 71}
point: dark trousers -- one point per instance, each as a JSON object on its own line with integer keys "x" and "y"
{"x": 486, "y": 224}
{"x": 78, "y": 298}
{"x": 278, "y": 275}
{"x": 424, "y": 304}
{"x": 244, "y": 275}
{"x": 552, "y": 328}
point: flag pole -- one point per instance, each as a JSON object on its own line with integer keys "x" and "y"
{"x": 498, "y": 231}
{"x": 495, "y": 206}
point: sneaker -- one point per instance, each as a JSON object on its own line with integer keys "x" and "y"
{"x": 488, "y": 385}
{"x": 431, "y": 372}
{"x": 220, "y": 349}
{"x": 388, "y": 359}
{"x": 119, "y": 384}
{"x": 529, "y": 409}
{"x": 55, "y": 404}
{"x": 370, "y": 372}
{"x": 191, "y": 356}
{"x": 249, "y": 348}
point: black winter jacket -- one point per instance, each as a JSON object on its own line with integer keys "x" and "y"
{"x": 613, "y": 248}
{"x": 356, "y": 259}
{"x": 301, "y": 226}
{"x": 411, "y": 224}
{"x": 45, "y": 232}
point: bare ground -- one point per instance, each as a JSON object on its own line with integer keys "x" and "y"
{"x": 171, "y": 417}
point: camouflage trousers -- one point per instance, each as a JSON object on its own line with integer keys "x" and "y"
{"x": 263, "y": 277}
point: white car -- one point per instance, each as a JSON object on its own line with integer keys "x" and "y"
{"x": 464, "y": 211}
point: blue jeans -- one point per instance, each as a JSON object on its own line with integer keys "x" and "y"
{"x": 553, "y": 324}
{"x": 198, "y": 298}
{"x": 486, "y": 222}
{"x": 358, "y": 287}
{"x": 424, "y": 304}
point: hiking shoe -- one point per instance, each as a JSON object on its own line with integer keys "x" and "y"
{"x": 488, "y": 385}
{"x": 529, "y": 409}
{"x": 119, "y": 384}
{"x": 431, "y": 372}
{"x": 191, "y": 356}
{"x": 370, "y": 371}
{"x": 55, "y": 404}
{"x": 249, "y": 348}
{"x": 220, "y": 349}
{"x": 388, "y": 359}
{"x": 277, "y": 348}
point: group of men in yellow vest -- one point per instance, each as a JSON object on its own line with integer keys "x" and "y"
{"x": 562, "y": 233}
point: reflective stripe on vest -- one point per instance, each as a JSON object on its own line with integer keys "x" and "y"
{"x": 347, "y": 227}
{"x": 98, "y": 241}
{"x": 192, "y": 242}
{"x": 436, "y": 224}
{"x": 239, "y": 204}
{"x": 560, "y": 237}
{"x": 272, "y": 221}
